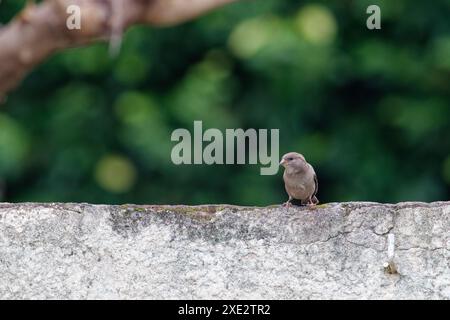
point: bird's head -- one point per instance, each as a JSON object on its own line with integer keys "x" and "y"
{"x": 292, "y": 160}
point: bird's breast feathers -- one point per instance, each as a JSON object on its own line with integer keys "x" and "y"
{"x": 300, "y": 185}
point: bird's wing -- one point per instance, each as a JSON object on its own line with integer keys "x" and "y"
{"x": 316, "y": 183}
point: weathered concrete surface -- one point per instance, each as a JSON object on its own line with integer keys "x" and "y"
{"x": 81, "y": 251}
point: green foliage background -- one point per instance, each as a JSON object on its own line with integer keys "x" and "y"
{"x": 369, "y": 109}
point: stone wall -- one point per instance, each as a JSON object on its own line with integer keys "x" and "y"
{"x": 333, "y": 251}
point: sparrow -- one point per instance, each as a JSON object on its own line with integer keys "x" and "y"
{"x": 300, "y": 180}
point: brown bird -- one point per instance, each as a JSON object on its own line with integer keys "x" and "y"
{"x": 300, "y": 180}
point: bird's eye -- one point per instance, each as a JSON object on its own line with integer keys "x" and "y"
{"x": 290, "y": 159}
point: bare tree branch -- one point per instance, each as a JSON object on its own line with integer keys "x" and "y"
{"x": 40, "y": 30}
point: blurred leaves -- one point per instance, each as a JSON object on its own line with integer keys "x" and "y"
{"x": 369, "y": 109}
{"x": 14, "y": 145}
{"x": 90, "y": 60}
{"x": 142, "y": 128}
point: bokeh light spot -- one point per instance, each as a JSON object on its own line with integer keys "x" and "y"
{"x": 316, "y": 24}
{"x": 115, "y": 173}
{"x": 249, "y": 37}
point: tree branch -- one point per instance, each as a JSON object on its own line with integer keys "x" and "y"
{"x": 40, "y": 30}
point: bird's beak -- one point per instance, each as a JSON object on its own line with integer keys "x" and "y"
{"x": 282, "y": 162}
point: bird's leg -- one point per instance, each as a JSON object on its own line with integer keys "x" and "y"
{"x": 288, "y": 203}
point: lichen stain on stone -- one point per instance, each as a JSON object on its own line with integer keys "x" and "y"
{"x": 129, "y": 219}
{"x": 198, "y": 213}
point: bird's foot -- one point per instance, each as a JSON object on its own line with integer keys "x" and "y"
{"x": 311, "y": 202}
{"x": 287, "y": 204}
{"x": 308, "y": 204}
